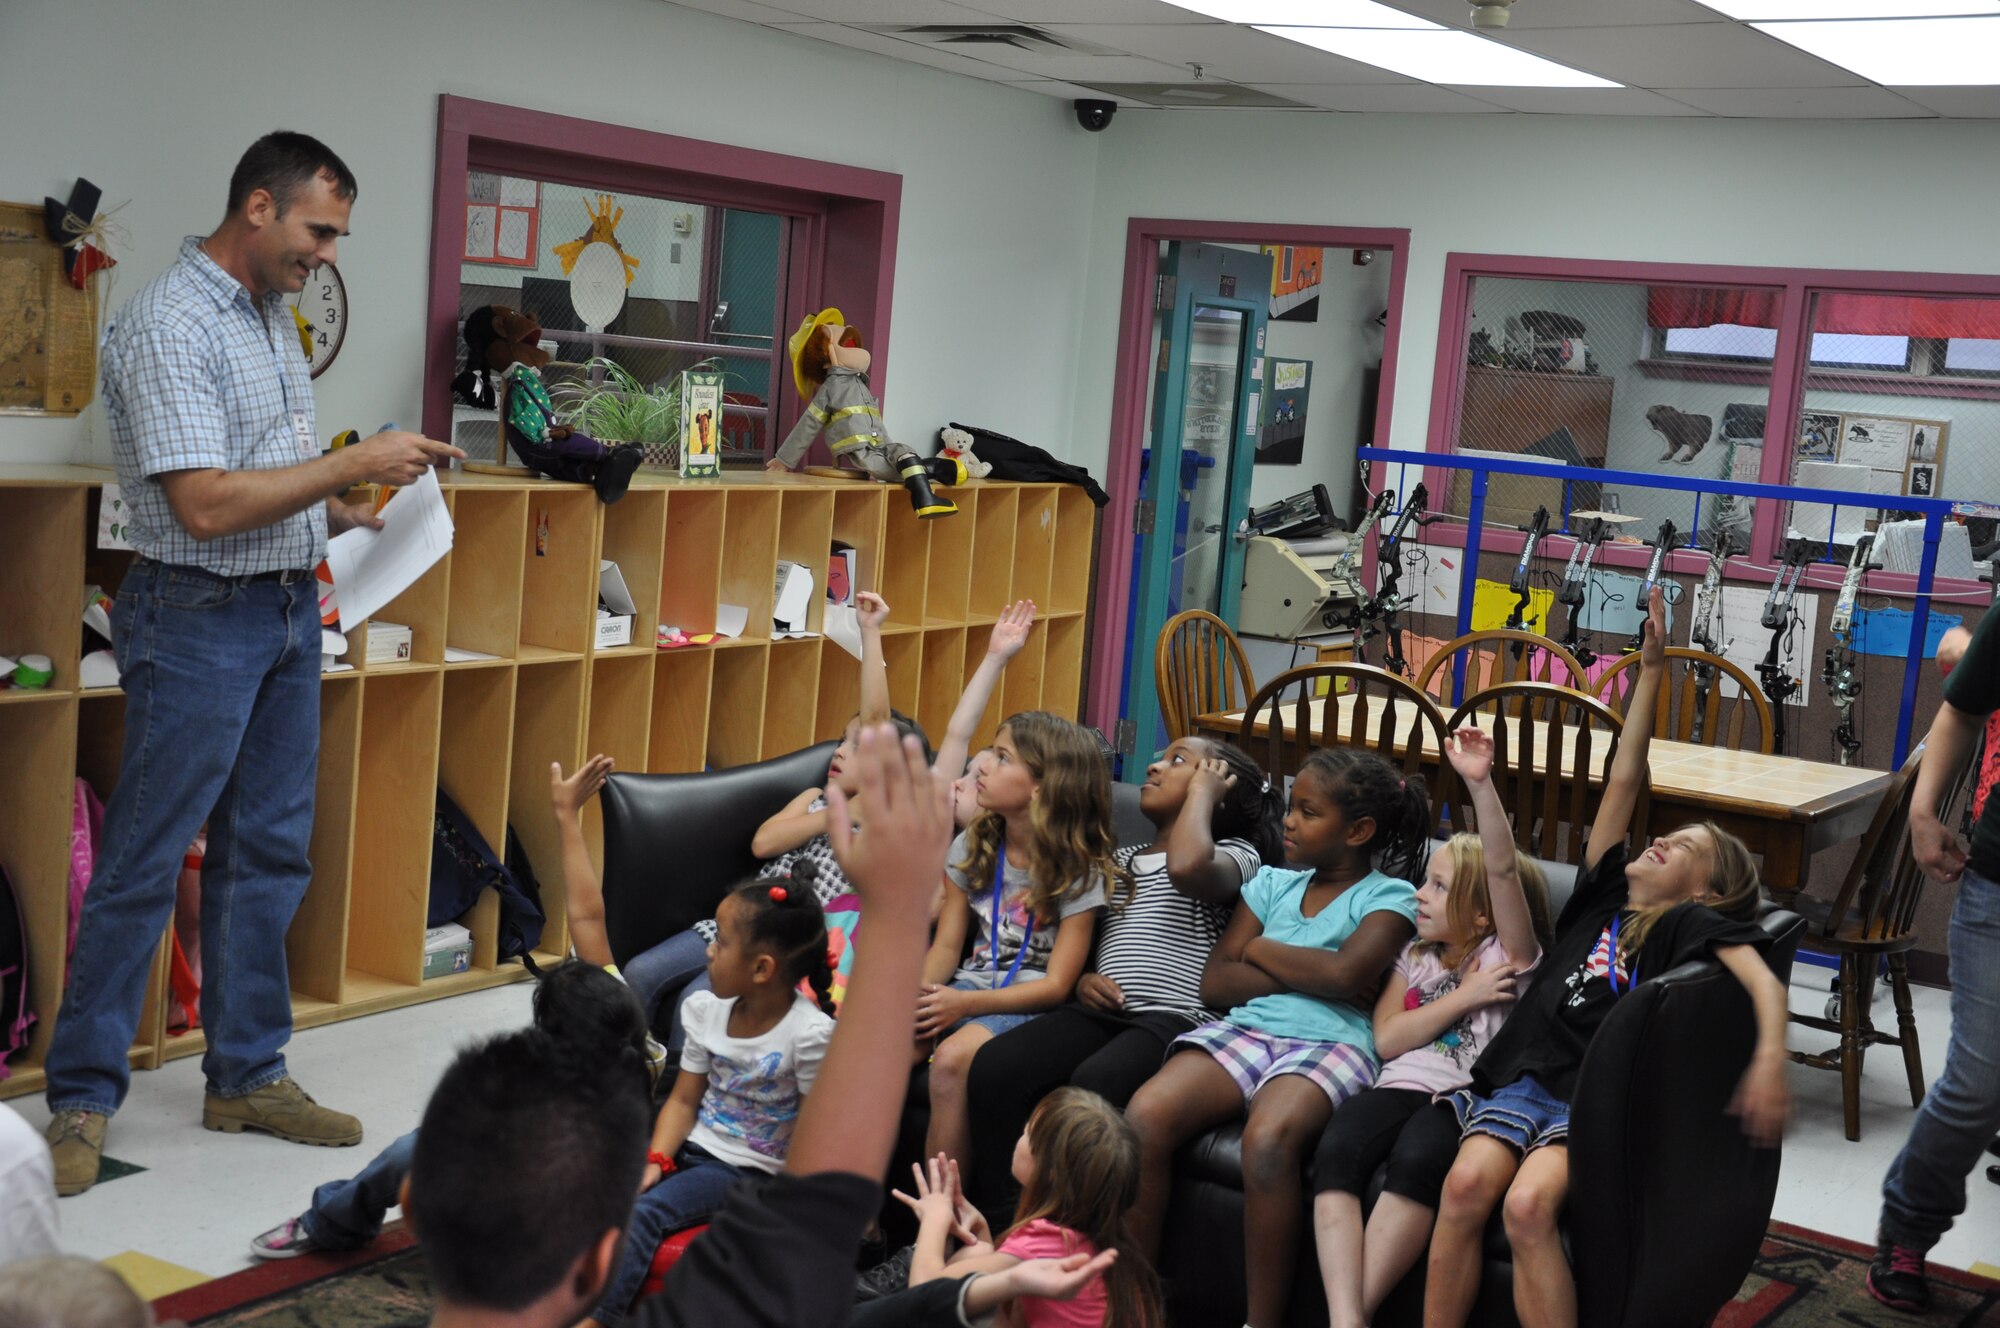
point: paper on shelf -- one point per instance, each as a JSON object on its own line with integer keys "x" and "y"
{"x": 100, "y": 669}
{"x": 455, "y": 655}
{"x": 1814, "y": 521}
{"x": 731, "y": 619}
{"x": 327, "y": 665}
{"x": 843, "y": 628}
{"x": 791, "y": 599}
{"x": 7, "y": 666}
{"x": 113, "y": 519}
{"x": 372, "y": 567}
{"x": 782, "y": 635}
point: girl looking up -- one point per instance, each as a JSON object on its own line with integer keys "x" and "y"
{"x": 1306, "y": 947}
{"x": 1482, "y": 918}
{"x": 1033, "y": 869}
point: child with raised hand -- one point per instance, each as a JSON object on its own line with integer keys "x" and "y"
{"x": 1215, "y": 822}
{"x": 1482, "y": 918}
{"x": 1306, "y": 947}
{"x": 1032, "y": 869}
{"x": 1077, "y": 1163}
{"x": 1686, "y": 896}
{"x": 754, "y": 1046}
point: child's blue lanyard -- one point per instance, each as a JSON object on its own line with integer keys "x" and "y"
{"x": 1611, "y": 963}
{"x": 1000, "y": 888}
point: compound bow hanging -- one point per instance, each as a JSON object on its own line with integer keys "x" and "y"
{"x": 1841, "y": 669}
{"x": 1777, "y": 619}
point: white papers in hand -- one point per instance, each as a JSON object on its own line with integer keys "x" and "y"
{"x": 372, "y": 567}
{"x": 843, "y": 628}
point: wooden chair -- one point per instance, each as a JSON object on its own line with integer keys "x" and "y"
{"x": 1723, "y": 719}
{"x": 1200, "y": 669}
{"x": 1302, "y": 710}
{"x": 1871, "y": 920}
{"x": 1548, "y": 741}
{"x": 1490, "y": 660}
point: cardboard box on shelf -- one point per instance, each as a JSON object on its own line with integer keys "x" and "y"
{"x": 616, "y": 607}
{"x": 388, "y": 643}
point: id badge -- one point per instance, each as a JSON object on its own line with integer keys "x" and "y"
{"x": 302, "y": 434}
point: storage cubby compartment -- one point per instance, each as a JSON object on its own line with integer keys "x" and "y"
{"x": 621, "y": 702}
{"x": 490, "y": 531}
{"x": 559, "y": 586}
{"x": 805, "y": 536}
{"x": 103, "y": 568}
{"x": 750, "y": 556}
{"x": 905, "y": 573}
{"x": 997, "y": 709}
{"x": 903, "y": 654}
{"x": 679, "y": 715}
{"x": 1062, "y": 665}
{"x": 1021, "y": 685}
{"x": 635, "y": 530}
{"x": 39, "y": 739}
{"x": 736, "y": 705}
{"x": 791, "y": 695}
{"x": 992, "y": 568}
{"x": 691, "y": 577}
{"x": 857, "y": 520}
{"x": 316, "y": 944}
{"x": 394, "y": 808}
{"x": 475, "y": 733}
{"x": 1076, "y": 550}
{"x": 949, "y": 576}
{"x": 422, "y": 609}
{"x": 41, "y": 592}
{"x": 840, "y": 690}
{"x": 1034, "y": 546}
{"x": 548, "y": 726}
{"x": 943, "y": 665}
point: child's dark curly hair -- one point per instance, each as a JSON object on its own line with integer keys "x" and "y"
{"x": 1253, "y": 809}
{"x": 592, "y": 1013}
{"x": 782, "y": 918}
{"x": 1362, "y": 784}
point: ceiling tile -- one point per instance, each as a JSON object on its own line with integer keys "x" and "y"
{"x": 1083, "y": 68}
{"x": 1391, "y": 98}
{"x": 1240, "y": 55}
{"x": 1696, "y": 55}
{"x": 1568, "y": 13}
{"x": 748, "y": 10}
{"x": 1584, "y": 101}
{"x": 1978, "y": 103}
{"x": 1081, "y": 11}
{"x": 862, "y": 39}
{"x": 1050, "y": 87}
{"x": 1803, "y": 103}
{"x": 882, "y": 11}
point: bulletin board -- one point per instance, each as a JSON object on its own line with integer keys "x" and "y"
{"x": 503, "y": 219}
{"x": 1906, "y": 453}
{"x": 48, "y": 339}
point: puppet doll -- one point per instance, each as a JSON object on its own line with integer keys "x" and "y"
{"x": 503, "y": 341}
{"x": 830, "y": 370}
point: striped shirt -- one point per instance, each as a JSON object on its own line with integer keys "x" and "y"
{"x": 197, "y": 378}
{"x": 1155, "y": 946}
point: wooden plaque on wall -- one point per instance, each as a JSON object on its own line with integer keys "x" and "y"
{"x": 48, "y": 340}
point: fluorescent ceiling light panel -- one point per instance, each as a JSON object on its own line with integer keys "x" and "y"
{"x": 1445, "y": 56}
{"x": 1774, "y": 10}
{"x": 1308, "y": 13}
{"x": 1904, "y": 52}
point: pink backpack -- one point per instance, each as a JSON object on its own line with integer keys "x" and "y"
{"x": 86, "y": 825}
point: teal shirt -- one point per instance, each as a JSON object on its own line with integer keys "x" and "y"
{"x": 1274, "y": 894}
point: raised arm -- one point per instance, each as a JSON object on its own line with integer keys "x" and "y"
{"x": 871, "y": 611}
{"x": 1470, "y": 751}
{"x": 1227, "y": 979}
{"x": 1009, "y": 635}
{"x": 1194, "y": 867}
{"x": 1627, "y": 776}
{"x": 583, "y": 895}
{"x": 1348, "y": 973}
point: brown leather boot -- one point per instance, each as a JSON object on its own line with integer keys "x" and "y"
{"x": 283, "y": 1109}
{"x": 76, "y": 1138}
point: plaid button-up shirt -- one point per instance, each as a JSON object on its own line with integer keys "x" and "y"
{"x": 197, "y": 377}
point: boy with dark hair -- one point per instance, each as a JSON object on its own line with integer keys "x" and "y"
{"x": 282, "y": 163}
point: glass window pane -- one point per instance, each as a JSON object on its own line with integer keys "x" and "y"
{"x": 1730, "y": 340}
{"x": 1972, "y": 355}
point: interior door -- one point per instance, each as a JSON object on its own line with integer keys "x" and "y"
{"x": 1207, "y": 402}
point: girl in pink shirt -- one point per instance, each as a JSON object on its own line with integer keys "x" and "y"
{"x": 1078, "y": 1167}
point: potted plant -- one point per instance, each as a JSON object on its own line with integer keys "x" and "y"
{"x": 608, "y": 403}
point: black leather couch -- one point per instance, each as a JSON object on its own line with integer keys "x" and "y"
{"x": 1669, "y": 1201}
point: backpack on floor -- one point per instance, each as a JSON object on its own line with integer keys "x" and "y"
{"x": 15, "y": 1016}
{"x": 463, "y": 866}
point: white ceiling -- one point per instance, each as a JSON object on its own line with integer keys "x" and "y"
{"x": 1675, "y": 57}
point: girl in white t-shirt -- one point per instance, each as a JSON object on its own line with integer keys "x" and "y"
{"x": 1482, "y": 917}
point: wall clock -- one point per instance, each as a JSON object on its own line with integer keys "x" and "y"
{"x": 322, "y": 306}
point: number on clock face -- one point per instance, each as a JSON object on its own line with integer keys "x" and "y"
{"x": 323, "y": 304}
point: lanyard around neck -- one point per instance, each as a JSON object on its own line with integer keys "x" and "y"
{"x": 1611, "y": 961}
{"x": 1000, "y": 888}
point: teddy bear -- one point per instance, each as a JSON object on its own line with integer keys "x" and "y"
{"x": 504, "y": 341}
{"x": 956, "y": 444}
{"x": 830, "y": 371}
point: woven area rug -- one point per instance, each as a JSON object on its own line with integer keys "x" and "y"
{"x": 1805, "y": 1278}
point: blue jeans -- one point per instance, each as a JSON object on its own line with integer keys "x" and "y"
{"x": 685, "y": 1197}
{"x": 1925, "y": 1187}
{"x": 347, "y": 1214}
{"x": 222, "y": 684}
{"x": 677, "y": 966}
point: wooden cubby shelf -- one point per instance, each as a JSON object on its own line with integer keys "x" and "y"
{"x": 519, "y": 589}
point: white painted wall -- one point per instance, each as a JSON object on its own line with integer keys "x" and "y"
{"x": 997, "y": 183}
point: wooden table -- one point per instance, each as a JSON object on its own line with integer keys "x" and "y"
{"x": 1784, "y": 808}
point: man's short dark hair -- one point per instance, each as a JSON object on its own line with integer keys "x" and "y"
{"x": 282, "y": 164}
{"x": 528, "y": 1154}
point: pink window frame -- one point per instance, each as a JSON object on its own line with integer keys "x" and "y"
{"x": 843, "y": 232}
{"x": 1788, "y": 379}
{"x": 1131, "y": 387}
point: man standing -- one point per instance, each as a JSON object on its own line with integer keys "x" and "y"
{"x": 1925, "y": 1188}
{"x": 217, "y": 635}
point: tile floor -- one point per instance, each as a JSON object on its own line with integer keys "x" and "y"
{"x": 204, "y": 1195}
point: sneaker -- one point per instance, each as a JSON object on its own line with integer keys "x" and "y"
{"x": 76, "y": 1138}
{"x": 1896, "y": 1278}
{"x": 283, "y": 1109}
{"x": 886, "y": 1278}
{"x": 287, "y": 1240}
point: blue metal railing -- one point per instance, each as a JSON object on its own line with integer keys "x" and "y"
{"x": 1933, "y": 510}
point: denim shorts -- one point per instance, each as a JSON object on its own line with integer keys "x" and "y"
{"x": 1523, "y": 1115}
{"x": 996, "y": 1024}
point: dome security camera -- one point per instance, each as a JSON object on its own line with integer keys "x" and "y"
{"x": 1490, "y": 13}
{"x": 1093, "y": 114}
